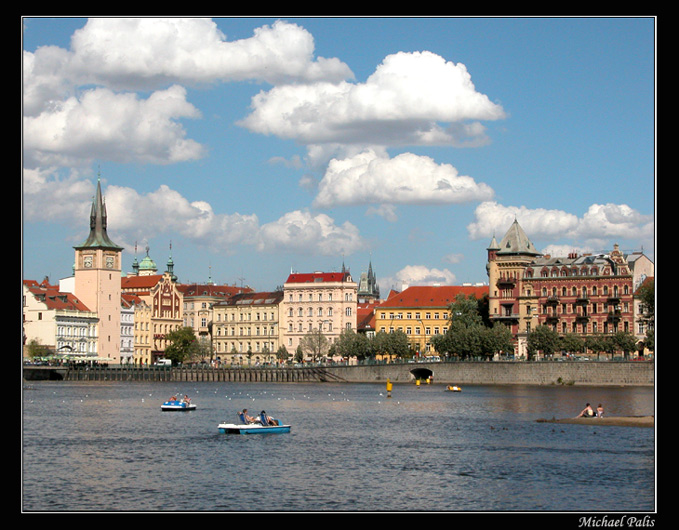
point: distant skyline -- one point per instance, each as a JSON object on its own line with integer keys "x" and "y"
{"x": 257, "y": 146}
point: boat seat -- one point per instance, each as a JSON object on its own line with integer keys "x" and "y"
{"x": 242, "y": 418}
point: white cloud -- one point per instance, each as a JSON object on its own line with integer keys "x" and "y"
{"x": 133, "y": 216}
{"x": 404, "y": 179}
{"x": 65, "y": 126}
{"x": 418, "y": 275}
{"x": 150, "y": 53}
{"x": 302, "y": 232}
{"x": 403, "y": 103}
{"x": 599, "y": 223}
{"x": 102, "y": 124}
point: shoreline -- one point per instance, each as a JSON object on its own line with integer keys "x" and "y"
{"x": 616, "y": 421}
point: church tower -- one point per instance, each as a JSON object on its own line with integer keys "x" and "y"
{"x": 97, "y": 279}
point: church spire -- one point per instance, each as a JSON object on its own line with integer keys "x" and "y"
{"x": 98, "y": 237}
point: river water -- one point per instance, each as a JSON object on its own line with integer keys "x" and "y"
{"x": 108, "y": 447}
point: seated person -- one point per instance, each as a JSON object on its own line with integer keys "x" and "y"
{"x": 267, "y": 420}
{"x": 587, "y": 412}
{"x": 246, "y": 418}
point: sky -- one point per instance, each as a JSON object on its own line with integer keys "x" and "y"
{"x": 246, "y": 148}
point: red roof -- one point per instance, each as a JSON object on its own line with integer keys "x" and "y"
{"x": 427, "y": 296}
{"x": 316, "y": 277}
{"x": 139, "y": 283}
{"x": 365, "y": 315}
{"x": 53, "y": 298}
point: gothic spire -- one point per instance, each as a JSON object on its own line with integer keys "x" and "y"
{"x": 98, "y": 237}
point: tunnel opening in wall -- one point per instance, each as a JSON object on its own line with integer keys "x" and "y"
{"x": 421, "y": 373}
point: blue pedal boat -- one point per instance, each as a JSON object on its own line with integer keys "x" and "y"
{"x": 177, "y": 404}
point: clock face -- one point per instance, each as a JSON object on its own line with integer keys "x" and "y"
{"x": 109, "y": 262}
{"x": 87, "y": 261}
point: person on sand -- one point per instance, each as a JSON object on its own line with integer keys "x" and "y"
{"x": 600, "y": 411}
{"x": 587, "y": 412}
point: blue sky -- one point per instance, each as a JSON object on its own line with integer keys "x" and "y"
{"x": 259, "y": 146}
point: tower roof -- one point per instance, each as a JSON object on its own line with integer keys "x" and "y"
{"x": 516, "y": 242}
{"x": 98, "y": 237}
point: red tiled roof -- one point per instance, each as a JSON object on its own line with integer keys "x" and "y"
{"x": 140, "y": 283}
{"x": 53, "y": 298}
{"x": 365, "y": 316}
{"x": 316, "y": 277}
{"x": 427, "y": 296}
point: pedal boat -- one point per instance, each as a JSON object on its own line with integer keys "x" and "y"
{"x": 251, "y": 428}
{"x": 176, "y": 404}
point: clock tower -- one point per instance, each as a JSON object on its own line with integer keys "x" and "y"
{"x": 97, "y": 280}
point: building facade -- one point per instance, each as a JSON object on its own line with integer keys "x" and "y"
{"x": 58, "y": 321}
{"x": 585, "y": 294}
{"x": 198, "y": 302}
{"x": 323, "y": 301}
{"x": 245, "y": 328}
{"x": 422, "y": 312}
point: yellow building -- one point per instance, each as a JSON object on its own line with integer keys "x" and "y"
{"x": 245, "y": 328}
{"x": 421, "y": 312}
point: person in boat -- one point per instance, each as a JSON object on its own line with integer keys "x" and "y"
{"x": 587, "y": 412}
{"x": 186, "y": 399}
{"x": 266, "y": 419}
{"x": 247, "y": 418}
{"x": 600, "y": 411}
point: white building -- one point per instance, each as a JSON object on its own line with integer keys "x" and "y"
{"x": 58, "y": 321}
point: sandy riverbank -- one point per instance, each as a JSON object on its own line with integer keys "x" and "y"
{"x": 619, "y": 421}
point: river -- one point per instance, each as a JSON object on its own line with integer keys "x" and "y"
{"x": 91, "y": 447}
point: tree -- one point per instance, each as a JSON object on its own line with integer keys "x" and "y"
{"x": 496, "y": 339}
{"x": 572, "y": 343}
{"x": 315, "y": 343}
{"x": 465, "y": 311}
{"x": 282, "y": 354}
{"x": 351, "y": 344}
{"x": 542, "y": 338}
{"x": 182, "y": 345}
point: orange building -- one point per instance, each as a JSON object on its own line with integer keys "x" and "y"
{"x": 421, "y": 312}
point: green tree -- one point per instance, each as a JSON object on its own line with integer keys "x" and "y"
{"x": 282, "y": 354}
{"x": 496, "y": 339}
{"x": 544, "y": 339}
{"x": 572, "y": 343}
{"x": 181, "y": 345}
{"x": 351, "y": 344}
{"x": 624, "y": 341}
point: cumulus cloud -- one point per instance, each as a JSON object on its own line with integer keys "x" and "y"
{"x": 419, "y": 275}
{"x": 102, "y": 124}
{"x": 151, "y": 53}
{"x": 405, "y": 179}
{"x": 406, "y": 101}
{"x": 302, "y": 232}
{"x": 600, "y": 222}
{"x": 66, "y": 126}
{"x": 135, "y": 216}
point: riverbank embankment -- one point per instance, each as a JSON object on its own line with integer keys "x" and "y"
{"x": 625, "y": 373}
